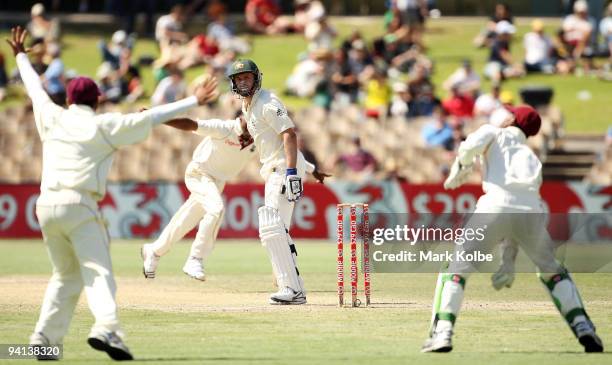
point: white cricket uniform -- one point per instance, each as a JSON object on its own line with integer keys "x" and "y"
{"x": 510, "y": 209}
{"x": 512, "y": 176}
{"x": 217, "y": 158}
{"x": 78, "y": 148}
{"x": 267, "y": 118}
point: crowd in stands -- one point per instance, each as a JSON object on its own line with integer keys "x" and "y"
{"x": 375, "y": 109}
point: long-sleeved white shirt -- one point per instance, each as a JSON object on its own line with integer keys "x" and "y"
{"x": 219, "y": 155}
{"x": 266, "y": 119}
{"x": 78, "y": 145}
{"x": 509, "y": 165}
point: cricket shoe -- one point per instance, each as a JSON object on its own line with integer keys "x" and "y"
{"x": 440, "y": 341}
{"x": 585, "y": 332}
{"x": 38, "y": 339}
{"x": 288, "y": 296}
{"x": 110, "y": 343}
{"x": 194, "y": 268}
{"x": 149, "y": 261}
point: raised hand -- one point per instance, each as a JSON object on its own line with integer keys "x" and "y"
{"x": 206, "y": 92}
{"x": 17, "y": 41}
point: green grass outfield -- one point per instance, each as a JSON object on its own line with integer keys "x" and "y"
{"x": 226, "y": 320}
{"x": 449, "y": 41}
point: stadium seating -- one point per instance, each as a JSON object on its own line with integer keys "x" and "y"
{"x": 396, "y": 144}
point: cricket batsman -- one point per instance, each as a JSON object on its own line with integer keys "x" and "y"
{"x": 283, "y": 168}
{"x": 225, "y": 150}
{"x": 511, "y": 209}
{"x": 78, "y": 147}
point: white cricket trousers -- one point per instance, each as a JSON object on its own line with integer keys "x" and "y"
{"x": 523, "y": 224}
{"x": 204, "y": 205}
{"x": 276, "y": 199}
{"x": 78, "y": 245}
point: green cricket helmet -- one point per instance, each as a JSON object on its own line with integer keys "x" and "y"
{"x": 243, "y": 66}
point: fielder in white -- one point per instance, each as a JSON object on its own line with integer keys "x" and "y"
{"x": 221, "y": 155}
{"x": 78, "y": 148}
{"x": 283, "y": 168}
{"x": 511, "y": 209}
{"x": 226, "y": 149}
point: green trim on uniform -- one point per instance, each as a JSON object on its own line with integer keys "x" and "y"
{"x": 571, "y": 315}
{"x": 446, "y": 316}
{"x": 550, "y": 283}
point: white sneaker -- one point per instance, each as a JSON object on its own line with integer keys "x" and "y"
{"x": 288, "y": 296}
{"x": 194, "y": 268}
{"x": 39, "y": 339}
{"x": 111, "y": 343}
{"x": 439, "y": 342}
{"x": 585, "y": 332}
{"x": 150, "y": 261}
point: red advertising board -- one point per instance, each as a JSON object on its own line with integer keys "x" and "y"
{"x": 135, "y": 210}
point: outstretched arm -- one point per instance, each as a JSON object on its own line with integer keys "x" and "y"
{"x": 184, "y": 124}
{"x": 30, "y": 78}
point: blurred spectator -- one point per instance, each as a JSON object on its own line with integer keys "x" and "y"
{"x": 37, "y": 56}
{"x": 538, "y": 49}
{"x": 412, "y": 15}
{"x": 500, "y": 65}
{"x": 111, "y": 52}
{"x": 129, "y": 79}
{"x": 3, "y": 78}
{"x": 577, "y": 32}
{"x": 222, "y": 32}
{"x": 359, "y": 57}
{"x": 308, "y": 74}
{"x": 305, "y": 12}
{"x": 422, "y": 97}
{"x": 42, "y": 28}
{"x": 318, "y": 32}
{"x": 170, "y": 89}
{"x": 487, "y": 36}
{"x": 201, "y": 49}
{"x": 263, "y": 16}
{"x": 378, "y": 94}
{"x": 344, "y": 81}
{"x": 605, "y": 28}
{"x": 357, "y": 159}
{"x": 401, "y": 100}
{"x": 487, "y": 103}
{"x": 460, "y": 104}
{"x": 437, "y": 132}
{"x": 169, "y": 28}
{"x": 109, "y": 84}
{"x": 561, "y": 54}
{"x": 54, "y": 75}
{"x": 506, "y": 97}
{"x": 465, "y": 78}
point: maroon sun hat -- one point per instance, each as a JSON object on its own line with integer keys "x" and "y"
{"x": 527, "y": 119}
{"x": 82, "y": 90}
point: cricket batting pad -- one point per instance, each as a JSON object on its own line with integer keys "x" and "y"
{"x": 565, "y": 295}
{"x": 276, "y": 240}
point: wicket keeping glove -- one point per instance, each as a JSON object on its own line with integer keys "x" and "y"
{"x": 457, "y": 176}
{"x": 293, "y": 185}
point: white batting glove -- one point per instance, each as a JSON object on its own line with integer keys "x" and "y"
{"x": 293, "y": 185}
{"x": 457, "y": 176}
